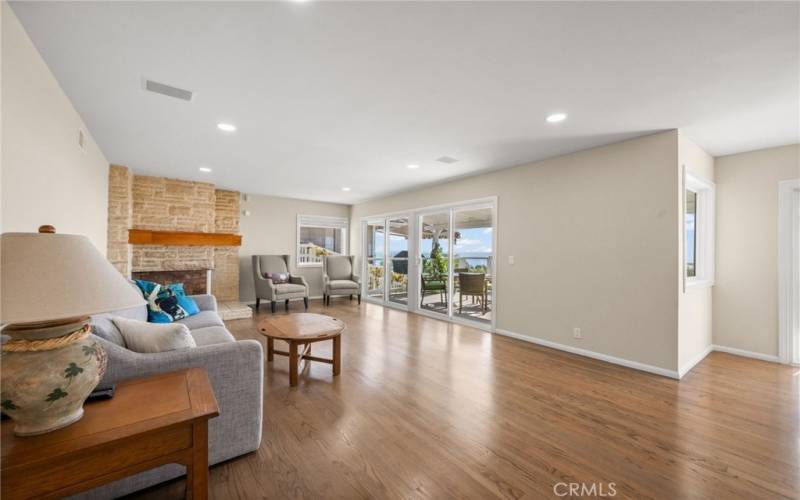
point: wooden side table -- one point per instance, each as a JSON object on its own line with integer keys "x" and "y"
{"x": 303, "y": 329}
{"x": 149, "y": 422}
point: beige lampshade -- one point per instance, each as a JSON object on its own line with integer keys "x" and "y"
{"x": 57, "y": 276}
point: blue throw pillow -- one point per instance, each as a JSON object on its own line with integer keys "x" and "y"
{"x": 166, "y": 304}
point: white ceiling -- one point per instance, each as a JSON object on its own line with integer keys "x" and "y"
{"x": 327, "y": 95}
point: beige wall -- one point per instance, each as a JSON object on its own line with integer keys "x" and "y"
{"x": 595, "y": 244}
{"x": 46, "y": 177}
{"x": 694, "y": 304}
{"x": 271, "y": 228}
{"x": 746, "y": 290}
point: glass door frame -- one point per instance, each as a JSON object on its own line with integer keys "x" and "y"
{"x": 385, "y": 222}
{"x": 415, "y": 228}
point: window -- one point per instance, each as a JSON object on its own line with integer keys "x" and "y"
{"x": 698, "y": 233}
{"x": 318, "y": 236}
{"x": 690, "y": 241}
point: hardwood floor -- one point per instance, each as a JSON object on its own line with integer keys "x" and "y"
{"x": 426, "y": 409}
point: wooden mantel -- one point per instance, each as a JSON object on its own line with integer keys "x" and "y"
{"x": 181, "y": 238}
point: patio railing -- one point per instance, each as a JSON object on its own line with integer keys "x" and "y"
{"x": 309, "y": 253}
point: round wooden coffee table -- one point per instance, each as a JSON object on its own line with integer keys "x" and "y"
{"x": 303, "y": 329}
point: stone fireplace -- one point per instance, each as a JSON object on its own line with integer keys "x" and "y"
{"x": 195, "y": 281}
{"x": 196, "y": 215}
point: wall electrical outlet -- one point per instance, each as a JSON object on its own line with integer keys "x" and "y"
{"x": 511, "y": 260}
{"x": 576, "y": 333}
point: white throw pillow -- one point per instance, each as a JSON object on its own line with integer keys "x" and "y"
{"x": 141, "y": 336}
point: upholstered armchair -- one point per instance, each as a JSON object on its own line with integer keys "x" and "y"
{"x": 296, "y": 288}
{"x": 339, "y": 278}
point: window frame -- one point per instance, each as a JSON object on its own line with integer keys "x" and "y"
{"x": 704, "y": 231}
{"x": 321, "y": 222}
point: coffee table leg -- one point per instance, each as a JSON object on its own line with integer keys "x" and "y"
{"x": 292, "y": 364}
{"x": 337, "y": 355}
{"x": 270, "y": 349}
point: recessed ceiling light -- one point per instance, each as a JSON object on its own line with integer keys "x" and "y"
{"x": 345, "y": 189}
{"x": 204, "y": 169}
{"x": 413, "y": 166}
{"x": 226, "y": 127}
{"x": 446, "y": 159}
{"x": 556, "y": 117}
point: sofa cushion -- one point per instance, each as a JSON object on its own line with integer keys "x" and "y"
{"x": 212, "y": 335}
{"x": 202, "y": 320}
{"x": 144, "y": 337}
{"x": 103, "y": 327}
{"x": 166, "y": 303}
{"x": 289, "y": 288}
{"x": 342, "y": 285}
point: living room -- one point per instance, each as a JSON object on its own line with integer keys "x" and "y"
{"x": 541, "y": 249}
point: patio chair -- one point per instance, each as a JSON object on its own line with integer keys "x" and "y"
{"x": 472, "y": 285}
{"x": 433, "y": 284}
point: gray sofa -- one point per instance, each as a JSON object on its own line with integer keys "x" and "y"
{"x": 236, "y": 371}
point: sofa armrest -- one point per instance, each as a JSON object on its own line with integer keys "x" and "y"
{"x": 236, "y": 372}
{"x": 218, "y": 359}
{"x": 205, "y": 302}
{"x": 356, "y": 278}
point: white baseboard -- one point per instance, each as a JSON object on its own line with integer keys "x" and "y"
{"x": 686, "y": 368}
{"x": 591, "y": 354}
{"x": 747, "y": 354}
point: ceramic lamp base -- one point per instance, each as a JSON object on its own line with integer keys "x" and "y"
{"x": 33, "y": 428}
{"x": 44, "y": 389}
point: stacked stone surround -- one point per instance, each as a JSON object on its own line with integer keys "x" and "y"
{"x": 226, "y": 259}
{"x": 120, "y": 217}
{"x": 162, "y": 204}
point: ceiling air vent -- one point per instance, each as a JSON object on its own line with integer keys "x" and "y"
{"x": 168, "y": 90}
{"x": 446, "y": 159}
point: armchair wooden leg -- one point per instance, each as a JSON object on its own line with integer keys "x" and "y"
{"x": 258, "y": 303}
{"x": 272, "y": 306}
{"x": 351, "y": 297}
{"x": 359, "y": 299}
{"x": 305, "y": 302}
{"x": 286, "y": 304}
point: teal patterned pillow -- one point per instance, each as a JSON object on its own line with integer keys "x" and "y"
{"x": 166, "y": 304}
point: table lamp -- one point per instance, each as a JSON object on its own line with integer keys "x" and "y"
{"x": 49, "y": 285}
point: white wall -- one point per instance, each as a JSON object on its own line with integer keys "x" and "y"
{"x": 694, "y": 304}
{"x": 595, "y": 243}
{"x": 271, "y": 228}
{"x": 746, "y": 290}
{"x": 46, "y": 177}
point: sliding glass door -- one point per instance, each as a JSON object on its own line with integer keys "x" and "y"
{"x": 473, "y": 255}
{"x": 439, "y": 262}
{"x": 434, "y": 276}
{"x": 375, "y": 259}
{"x": 386, "y": 260}
{"x": 397, "y": 269}
{"x": 456, "y": 271}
